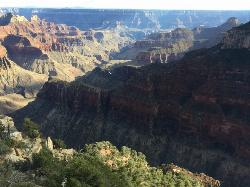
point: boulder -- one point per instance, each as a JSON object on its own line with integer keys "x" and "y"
{"x": 49, "y": 144}
{"x": 16, "y": 136}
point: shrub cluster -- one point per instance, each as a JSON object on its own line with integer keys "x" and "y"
{"x": 102, "y": 164}
{"x": 30, "y": 128}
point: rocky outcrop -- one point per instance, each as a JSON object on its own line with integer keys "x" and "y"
{"x": 33, "y": 58}
{"x": 14, "y": 79}
{"x": 165, "y": 44}
{"x": 237, "y": 37}
{"x": 165, "y": 39}
{"x": 17, "y": 85}
{"x": 164, "y": 47}
{"x": 49, "y": 144}
{"x": 208, "y": 37}
{"x": 206, "y": 180}
{"x": 158, "y": 56}
{"x": 19, "y": 154}
{"x": 172, "y": 45}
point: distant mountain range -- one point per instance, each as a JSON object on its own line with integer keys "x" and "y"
{"x": 153, "y": 19}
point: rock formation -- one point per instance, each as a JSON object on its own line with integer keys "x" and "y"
{"x": 14, "y": 79}
{"x": 32, "y": 146}
{"x": 57, "y": 50}
{"x": 208, "y": 37}
{"x": 49, "y": 144}
{"x": 237, "y": 37}
{"x": 43, "y": 49}
{"x": 164, "y": 47}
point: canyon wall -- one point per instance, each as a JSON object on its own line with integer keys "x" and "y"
{"x": 193, "y": 112}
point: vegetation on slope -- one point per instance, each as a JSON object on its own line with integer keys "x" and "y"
{"x": 100, "y": 164}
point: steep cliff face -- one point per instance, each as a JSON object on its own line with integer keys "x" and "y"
{"x": 5, "y": 19}
{"x": 237, "y": 37}
{"x": 193, "y": 112}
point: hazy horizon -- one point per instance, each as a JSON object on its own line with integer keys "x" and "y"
{"x": 131, "y": 4}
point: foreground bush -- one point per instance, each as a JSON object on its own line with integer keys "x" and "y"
{"x": 103, "y": 165}
{"x": 4, "y": 148}
{"x": 82, "y": 170}
{"x": 30, "y": 128}
{"x": 134, "y": 167}
{"x": 58, "y": 143}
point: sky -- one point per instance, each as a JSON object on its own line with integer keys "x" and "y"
{"x": 134, "y": 4}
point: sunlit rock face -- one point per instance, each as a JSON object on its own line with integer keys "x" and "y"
{"x": 14, "y": 79}
{"x": 58, "y": 50}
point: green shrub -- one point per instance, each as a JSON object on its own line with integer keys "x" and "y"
{"x": 100, "y": 164}
{"x": 12, "y": 177}
{"x": 19, "y": 144}
{"x": 136, "y": 170}
{"x": 43, "y": 159}
{"x": 4, "y": 148}
{"x": 31, "y": 129}
{"x": 89, "y": 171}
{"x": 80, "y": 171}
{"x": 2, "y": 129}
{"x": 9, "y": 142}
{"x": 58, "y": 143}
{"x": 14, "y": 144}
{"x": 74, "y": 182}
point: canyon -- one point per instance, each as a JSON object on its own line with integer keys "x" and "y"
{"x": 34, "y": 50}
{"x": 192, "y": 112}
{"x": 173, "y": 85}
{"x": 47, "y": 50}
